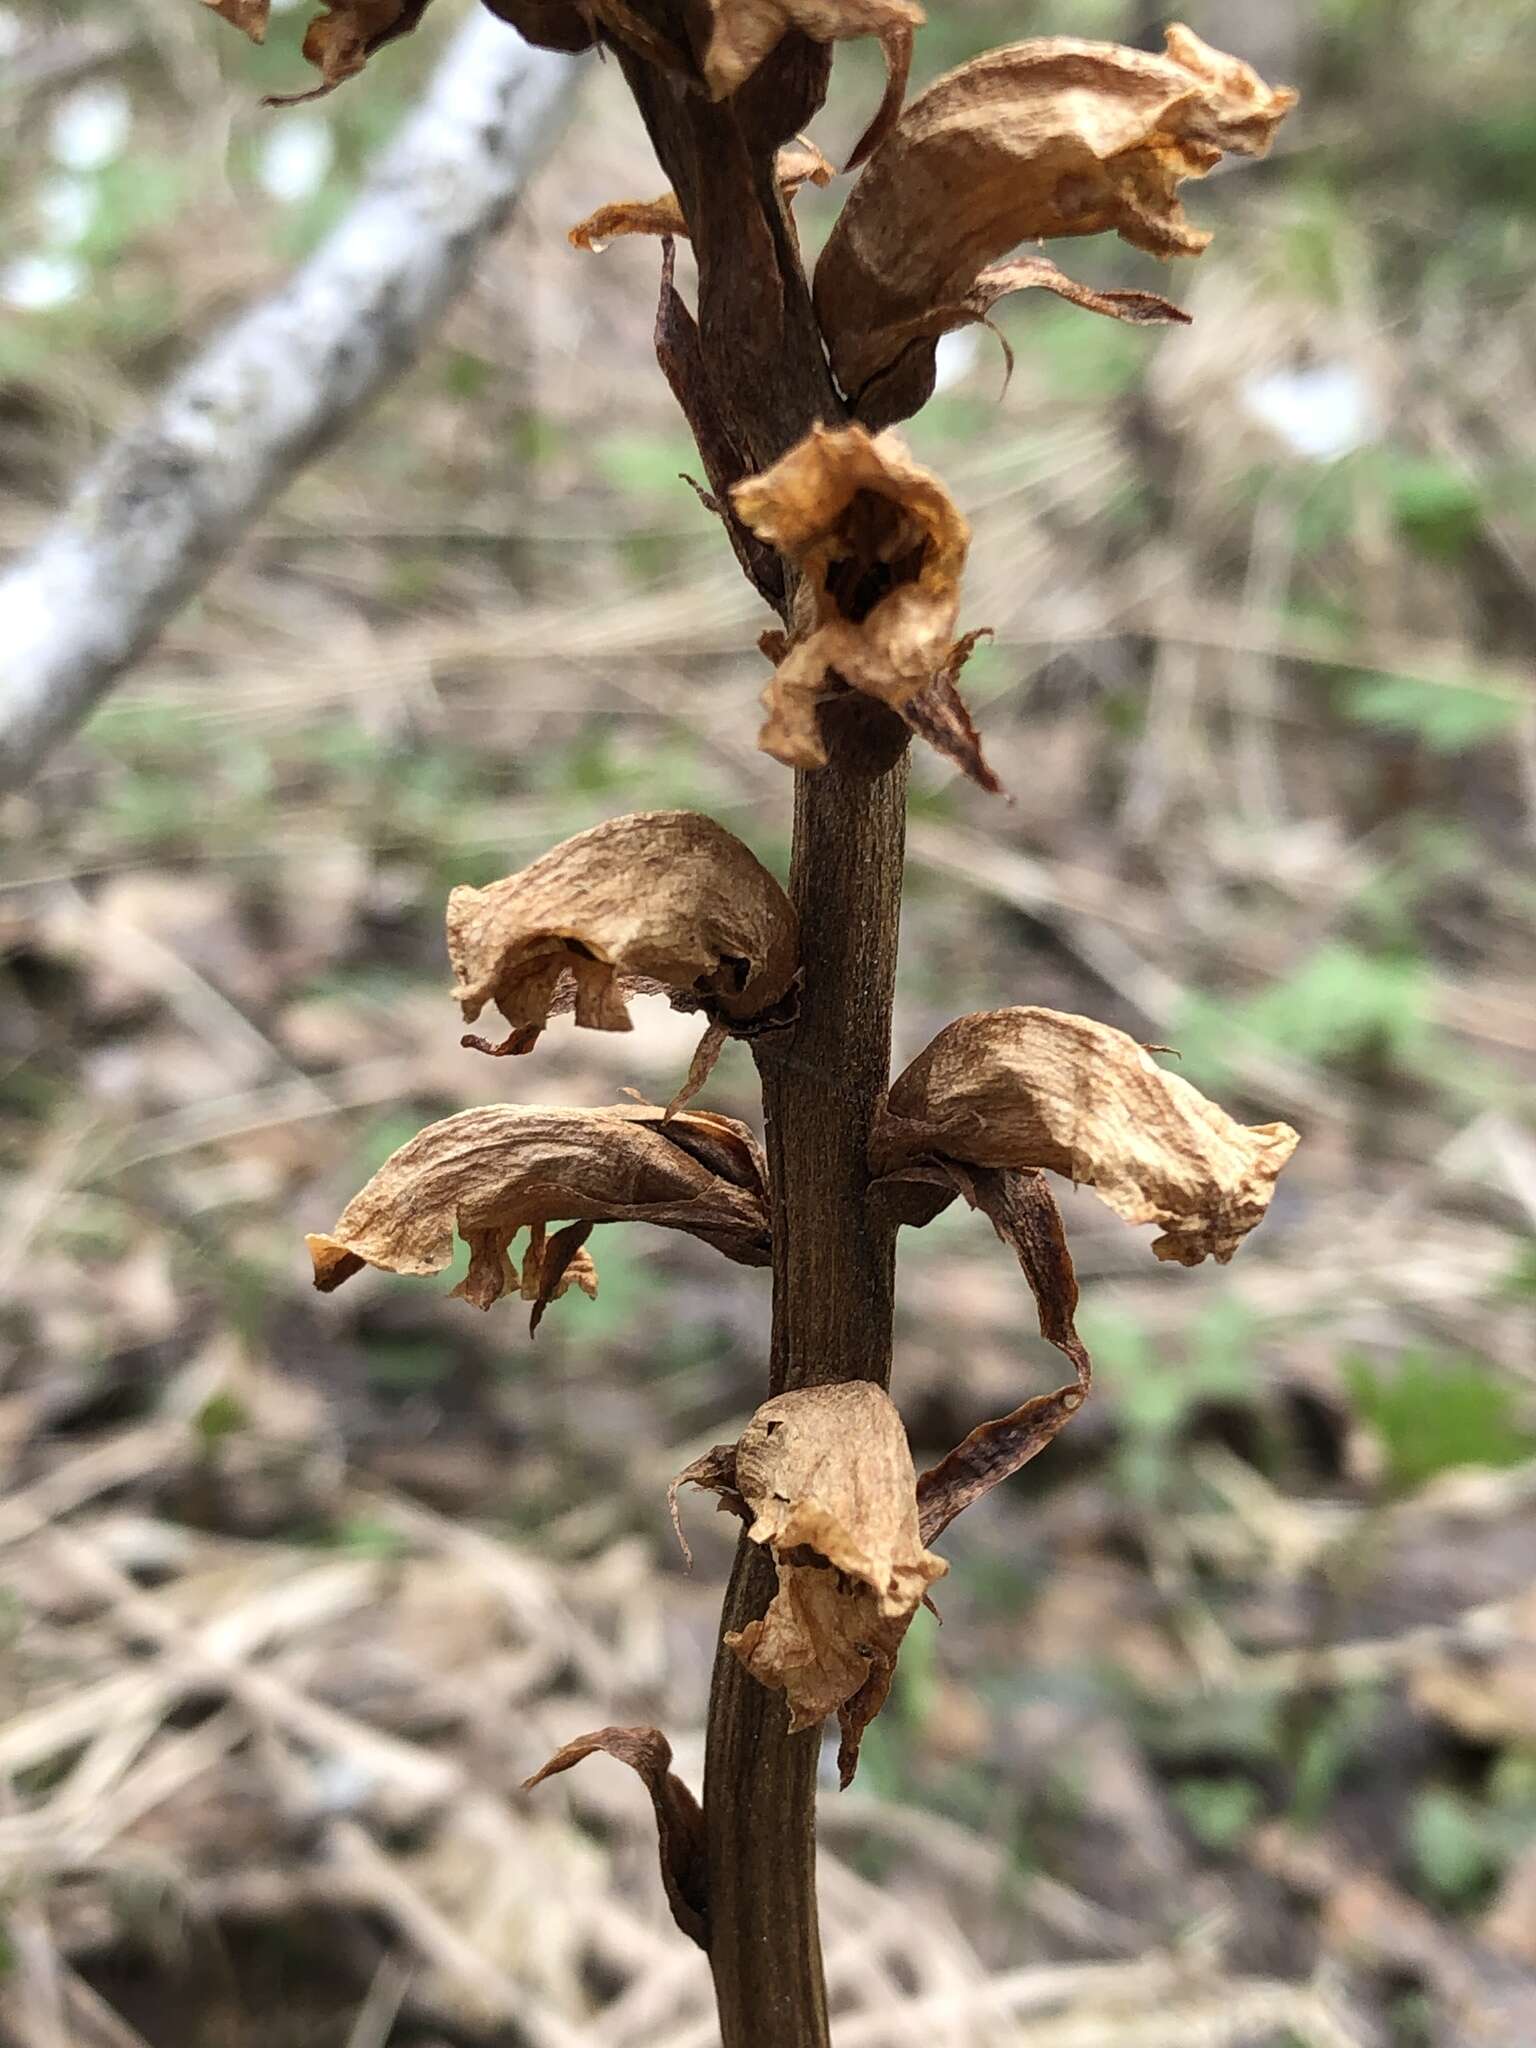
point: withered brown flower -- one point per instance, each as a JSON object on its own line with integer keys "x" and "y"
{"x": 825, "y": 1480}
{"x": 799, "y": 163}
{"x": 1032, "y": 1088}
{"x": 664, "y": 901}
{"x": 1042, "y": 139}
{"x": 489, "y": 1173}
{"x": 880, "y": 545}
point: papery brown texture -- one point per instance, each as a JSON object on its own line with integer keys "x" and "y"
{"x": 801, "y": 163}
{"x": 666, "y": 900}
{"x": 743, "y": 32}
{"x": 249, "y": 16}
{"x": 827, "y": 1478}
{"x": 1049, "y": 138}
{"x": 489, "y": 1173}
{"x": 880, "y": 545}
{"x": 1035, "y": 1088}
{"x": 679, "y": 1821}
{"x": 341, "y": 39}
{"x": 551, "y": 24}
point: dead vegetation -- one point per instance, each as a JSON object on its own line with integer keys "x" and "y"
{"x": 1234, "y": 1739}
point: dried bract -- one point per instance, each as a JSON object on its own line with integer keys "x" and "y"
{"x": 551, "y": 24}
{"x": 489, "y": 1173}
{"x": 1035, "y": 1088}
{"x": 249, "y": 16}
{"x": 663, "y": 900}
{"x": 679, "y": 1822}
{"x": 1041, "y": 139}
{"x": 881, "y": 546}
{"x": 743, "y": 32}
{"x": 1023, "y": 1212}
{"x": 801, "y": 163}
{"x": 827, "y": 1478}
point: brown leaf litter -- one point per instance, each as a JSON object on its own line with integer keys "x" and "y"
{"x": 679, "y": 1821}
{"x": 1042, "y": 139}
{"x": 489, "y": 1173}
{"x": 663, "y": 901}
{"x": 798, "y": 163}
{"x": 880, "y": 546}
{"x": 826, "y": 1478}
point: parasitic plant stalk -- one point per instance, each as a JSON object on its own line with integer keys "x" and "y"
{"x": 791, "y": 385}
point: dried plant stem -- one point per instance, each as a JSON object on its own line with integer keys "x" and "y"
{"x": 831, "y": 1321}
{"x": 833, "y": 1260}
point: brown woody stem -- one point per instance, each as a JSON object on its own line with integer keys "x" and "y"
{"x": 764, "y": 383}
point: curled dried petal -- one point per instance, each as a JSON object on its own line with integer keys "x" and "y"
{"x": 1054, "y": 137}
{"x": 339, "y": 41}
{"x": 489, "y": 1173}
{"x": 881, "y": 546}
{"x": 826, "y": 1477}
{"x": 799, "y": 163}
{"x": 679, "y": 1821}
{"x": 667, "y": 900}
{"x": 743, "y": 32}
{"x": 1036, "y": 1088}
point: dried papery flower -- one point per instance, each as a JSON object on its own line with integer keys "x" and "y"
{"x": 1042, "y": 139}
{"x": 799, "y": 163}
{"x": 663, "y": 901}
{"x": 880, "y": 545}
{"x": 489, "y": 1173}
{"x": 826, "y": 1478}
{"x": 679, "y": 1822}
{"x": 743, "y": 32}
{"x": 1035, "y": 1088}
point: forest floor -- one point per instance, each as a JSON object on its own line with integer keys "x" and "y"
{"x": 1229, "y": 1733}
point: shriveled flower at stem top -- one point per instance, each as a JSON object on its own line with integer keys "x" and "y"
{"x": 880, "y": 546}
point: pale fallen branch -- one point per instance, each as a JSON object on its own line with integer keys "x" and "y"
{"x": 170, "y": 499}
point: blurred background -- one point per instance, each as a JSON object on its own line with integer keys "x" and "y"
{"x": 1229, "y": 1734}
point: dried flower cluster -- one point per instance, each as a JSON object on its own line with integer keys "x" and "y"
{"x": 863, "y": 553}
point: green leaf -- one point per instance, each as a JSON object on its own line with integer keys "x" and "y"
{"x": 1449, "y": 1842}
{"x": 1219, "y": 1811}
{"x": 1433, "y": 1414}
{"x": 1448, "y": 717}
